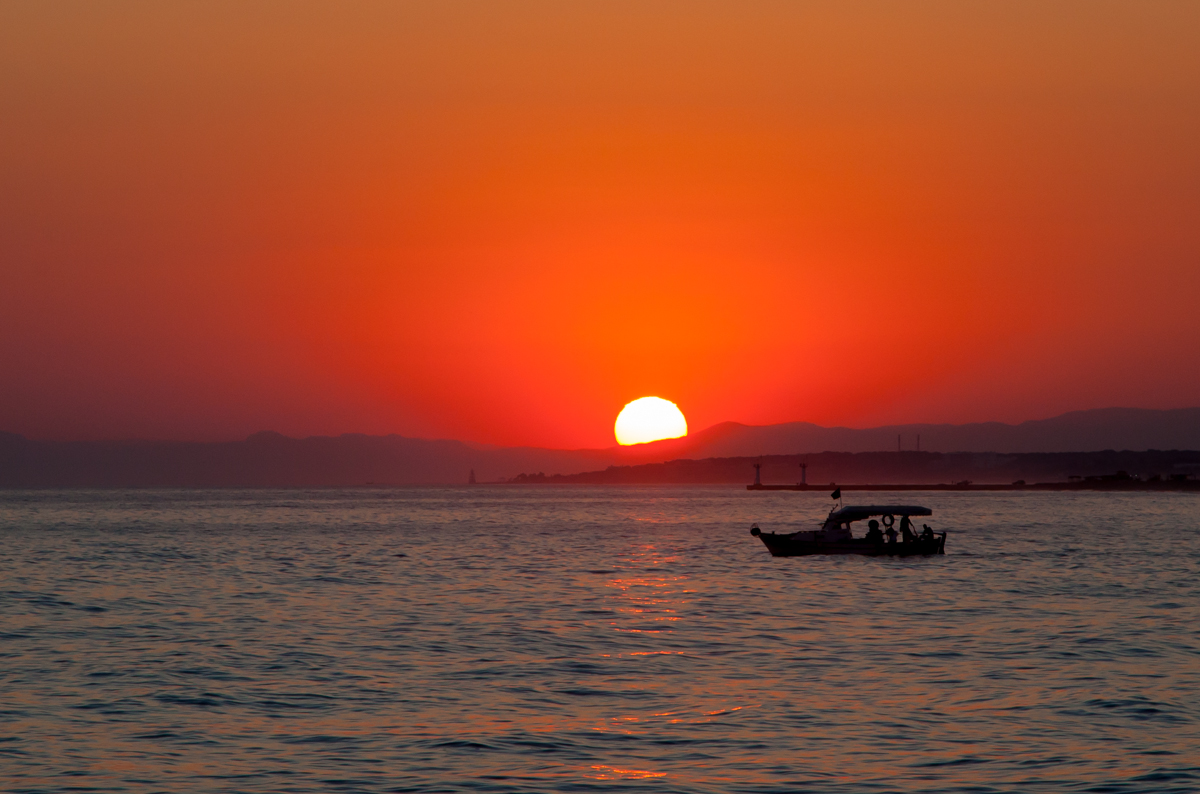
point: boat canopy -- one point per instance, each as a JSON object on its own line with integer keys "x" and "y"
{"x": 859, "y": 512}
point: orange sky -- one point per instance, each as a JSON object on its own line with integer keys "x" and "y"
{"x": 502, "y": 221}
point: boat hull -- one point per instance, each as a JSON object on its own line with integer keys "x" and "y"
{"x": 789, "y": 546}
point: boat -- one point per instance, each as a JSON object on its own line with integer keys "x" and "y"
{"x": 835, "y": 535}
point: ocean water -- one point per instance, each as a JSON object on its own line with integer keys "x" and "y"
{"x": 550, "y": 639}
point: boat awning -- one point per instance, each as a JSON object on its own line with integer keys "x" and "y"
{"x": 859, "y": 512}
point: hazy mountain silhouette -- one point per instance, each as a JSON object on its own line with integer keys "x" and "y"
{"x": 269, "y": 459}
{"x": 1077, "y": 431}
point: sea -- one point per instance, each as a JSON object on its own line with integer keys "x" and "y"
{"x": 592, "y": 639}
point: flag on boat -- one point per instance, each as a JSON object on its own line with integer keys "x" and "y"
{"x": 837, "y": 493}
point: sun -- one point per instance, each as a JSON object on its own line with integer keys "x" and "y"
{"x": 650, "y": 419}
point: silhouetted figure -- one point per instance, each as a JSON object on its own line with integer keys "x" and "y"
{"x": 891, "y": 535}
{"x": 873, "y": 533}
{"x": 927, "y": 534}
{"x": 906, "y": 530}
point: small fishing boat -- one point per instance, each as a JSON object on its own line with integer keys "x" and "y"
{"x": 836, "y": 537}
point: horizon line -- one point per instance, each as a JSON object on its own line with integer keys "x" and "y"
{"x": 680, "y": 440}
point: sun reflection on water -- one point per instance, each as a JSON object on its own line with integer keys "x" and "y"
{"x": 603, "y": 772}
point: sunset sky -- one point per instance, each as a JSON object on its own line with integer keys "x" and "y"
{"x": 501, "y": 222}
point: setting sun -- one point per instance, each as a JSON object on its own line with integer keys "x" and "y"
{"x": 650, "y": 419}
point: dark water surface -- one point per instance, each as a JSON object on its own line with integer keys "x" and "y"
{"x": 591, "y": 639}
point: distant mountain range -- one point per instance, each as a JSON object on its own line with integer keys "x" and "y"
{"x": 272, "y": 460}
{"x": 1077, "y": 431}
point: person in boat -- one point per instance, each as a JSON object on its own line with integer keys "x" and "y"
{"x": 906, "y": 530}
{"x": 926, "y": 534}
{"x": 891, "y": 535}
{"x": 873, "y": 533}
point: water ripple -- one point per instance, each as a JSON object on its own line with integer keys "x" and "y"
{"x": 591, "y": 639}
